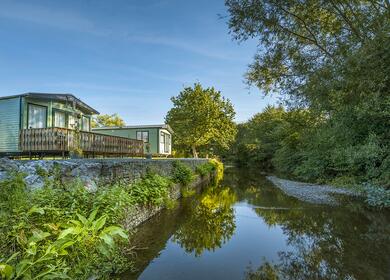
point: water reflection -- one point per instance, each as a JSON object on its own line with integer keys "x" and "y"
{"x": 248, "y": 222}
{"x": 210, "y": 222}
{"x": 331, "y": 243}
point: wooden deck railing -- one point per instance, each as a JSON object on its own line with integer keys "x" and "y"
{"x": 63, "y": 140}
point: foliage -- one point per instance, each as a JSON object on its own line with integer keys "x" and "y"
{"x": 63, "y": 231}
{"x": 75, "y": 150}
{"x": 152, "y": 189}
{"x": 205, "y": 169}
{"x": 13, "y": 194}
{"x": 271, "y": 139}
{"x": 300, "y": 39}
{"x": 330, "y": 58}
{"x": 202, "y": 119}
{"x": 187, "y": 192}
{"x": 45, "y": 235}
{"x": 213, "y": 167}
{"x": 218, "y": 169}
{"x": 266, "y": 271}
{"x": 113, "y": 202}
{"x": 107, "y": 120}
{"x": 181, "y": 173}
{"x": 376, "y": 196}
{"x": 210, "y": 224}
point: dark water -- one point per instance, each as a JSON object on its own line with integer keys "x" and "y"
{"x": 248, "y": 229}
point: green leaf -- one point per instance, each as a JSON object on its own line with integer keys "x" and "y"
{"x": 115, "y": 230}
{"x": 38, "y": 235}
{"x": 82, "y": 219}
{"x": 36, "y": 209}
{"x": 66, "y": 232}
{"x": 99, "y": 223}
{"x": 107, "y": 239}
{"x": 92, "y": 215}
{"x": 6, "y": 271}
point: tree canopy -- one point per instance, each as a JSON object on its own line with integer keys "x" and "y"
{"x": 201, "y": 119}
{"x": 108, "y": 120}
{"x": 331, "y": 58}
{"x": 303, "y": 40}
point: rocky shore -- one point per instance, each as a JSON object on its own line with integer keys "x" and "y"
{"x": 312, "y": 193}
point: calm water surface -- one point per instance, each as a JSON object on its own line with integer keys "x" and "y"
{"x": 248, "y": 229}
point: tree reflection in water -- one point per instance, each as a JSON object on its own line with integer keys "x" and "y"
{"x": 210, "y": 222}
{"x": 327, "y": 243}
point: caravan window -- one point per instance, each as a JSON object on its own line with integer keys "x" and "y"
{"x": 59, "y": 119}
{"x": 143, "y": 135}
{"x": 85, "y": 123}
{"x": 72, "y": 122}
{"x": 37, "y": 116}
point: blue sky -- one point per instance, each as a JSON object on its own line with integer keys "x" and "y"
{"x": 126, "y": 57}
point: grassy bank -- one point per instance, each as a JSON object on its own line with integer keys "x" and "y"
{"x": 63, "y": 231}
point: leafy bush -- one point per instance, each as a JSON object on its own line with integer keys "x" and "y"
{"x": 38, "y": 232}
{"x": 181, "y": 173}
{"x": 187, "y": 192}
{"x": 113, "y": 201}
{"x": 13, "y": 193}
{"x": 376, "y": 196}
{"x": 205, "y": 169}
{"x": 63, "y": 231}
{"x": 219, "y": 169}
{"x": 152, "y": 189}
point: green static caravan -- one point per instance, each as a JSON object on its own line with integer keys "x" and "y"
{"x": 158, "y": 136}
{"x": 31, "y": 111}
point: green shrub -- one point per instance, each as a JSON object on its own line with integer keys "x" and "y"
{"x": 63, "y": 231}
{"x": 181, "y": 173}
{"x": 376, "y": 196}
{"x": 219, "y": 170}
{"x": 113, "y": 201}
{"x": 186, "y": 192}
{"x": 205, "y": 169}
{"x": 152, "y": 189}
{"x": 13, "y": 193}
{"x": 30, "y": 231}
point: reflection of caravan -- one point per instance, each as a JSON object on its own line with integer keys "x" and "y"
{"x": 158, "y": 136}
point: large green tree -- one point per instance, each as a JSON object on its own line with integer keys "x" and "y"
{"x": 301, "y": 39}
{"x": 333, "y": 57}
{"x": 201, "y": 119}
{"x": 108, "y": 120}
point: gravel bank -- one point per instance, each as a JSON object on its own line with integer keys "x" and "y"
{"x": 319, "y": 194}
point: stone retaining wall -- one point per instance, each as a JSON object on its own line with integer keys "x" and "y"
{"x": 91, "y": 172}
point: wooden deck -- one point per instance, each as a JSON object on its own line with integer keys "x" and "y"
{"x": 62, "y": 141}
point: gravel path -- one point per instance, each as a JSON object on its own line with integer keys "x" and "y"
{"x": 319, "y": 194}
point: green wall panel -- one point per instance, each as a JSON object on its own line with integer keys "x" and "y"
{"x": 9, "y": 124}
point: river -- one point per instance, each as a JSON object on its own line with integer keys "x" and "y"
{"x": 246, "y": 228}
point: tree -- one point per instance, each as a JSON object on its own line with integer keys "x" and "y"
{"x": 302, "y": 38}
{"x": 272, "y": 139}
{"x": 108, "y": 120}
{"x": 330, "y": 56}
{"x": 201, "y": 118}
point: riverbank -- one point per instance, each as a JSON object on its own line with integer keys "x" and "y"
{"x": 74, "y": 219}
{"x": 247, "y": 227}
{"x": 312, "y": 193}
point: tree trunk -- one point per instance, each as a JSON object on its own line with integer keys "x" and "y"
{"x": 194, "y": 152}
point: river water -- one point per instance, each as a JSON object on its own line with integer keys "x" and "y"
{"x": 246, "y": 228}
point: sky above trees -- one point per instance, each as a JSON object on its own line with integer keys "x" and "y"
{"x": 126, "y": 57}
